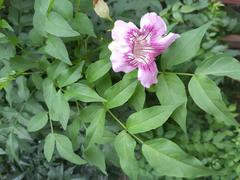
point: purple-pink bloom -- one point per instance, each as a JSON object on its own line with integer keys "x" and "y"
{"x": 137, "y": 48}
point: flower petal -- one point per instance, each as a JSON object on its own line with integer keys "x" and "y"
{"x": 120, "y": 63}
{"x": 119, "y": 46}
{"x": 166, "y": 41}
{"x": 147, "y": 74}
{"x": 153, "y": 22}
{"x": 121, "y": 29}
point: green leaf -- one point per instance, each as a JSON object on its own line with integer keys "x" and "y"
{"x": 36, "y": 38}
{"x": 108, "y": 137}
{"x": 70, "y": 75}
{"x": 2, "y": 152}
{"x": 7, "y": 51}
{"x": 58, "y": 26}
{"x": 60, "y": 110}
{"x": 64, "y": 148}
{"x": 105, "y": 53}
{"x": 82, "y": 92}
{"x": 3, "y": 37}
{"x": 49, "y": 93}
{"x": 220, "y": 65}
{"x": 176, "y": 162}
{"x": 42, "y": 5}
{"x": 74, "y": 131}
{"x": 20, "y": 63}
{"x": 41, "y": 8}
{"x": 55, "y": 69}
{"x": 150, "y": 118}
{"x": 4, "y": 82}
{"x": 57, "y": 104}
{"x": 138, "y": 98}
{"x": 187, "y": 9}
{"x": 207, "y": 96}
{"x": 37, "y": 122}
{"x": 37, "y": 80}
{"x": 95, "y": 156}
{"x": 21, "y": 132}
{"x": 125, "y": 147}
{"x": 83, "y": 24}
{"x": 120, "y": 92}
{"x": 98, "y": 69}
{"x": 23, "y": 91}
{"x": 95, "y": 130}
{"x": 87, "y": 114}
{"x": 12, "y": 147}
{"x": 86, "y": 6}
{"x": 56, "y": 48}
{"x": 103, "y": 84}
{"x": 39, "y": 22}
{"x": 63, "y": 7}
{"x": 49, "y": 146}
{"x": 4, "y": 24}
{"x": 170, "y": 90}
{"x": 185, "y": 47}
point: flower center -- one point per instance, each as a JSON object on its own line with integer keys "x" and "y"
{"x": 143, "y": 52}
{"x": 141, "y": 49}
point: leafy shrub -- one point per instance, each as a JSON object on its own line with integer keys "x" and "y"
{"x": 65, "y": 114}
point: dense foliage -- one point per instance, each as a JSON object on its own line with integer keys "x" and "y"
{"x": 65, "y": 114}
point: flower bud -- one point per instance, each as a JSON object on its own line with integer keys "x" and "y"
{"x": 101, "y": 9}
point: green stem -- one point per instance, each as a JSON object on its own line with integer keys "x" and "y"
{"x": 110, "y": 19}
{"x": 178, "y": 73}
{"x": 51, "y": 124}
{"x": 117, "y": 120}
{"x": 78, "y": 109}
{"x": 124, "y": 127}
{"x": 29, "y": 73}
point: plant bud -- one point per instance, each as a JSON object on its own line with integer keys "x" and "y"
{"x": 101, "y": 9}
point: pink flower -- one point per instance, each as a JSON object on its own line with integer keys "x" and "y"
{"x": 137, "y": 48}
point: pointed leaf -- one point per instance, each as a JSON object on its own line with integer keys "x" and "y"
{"x": 120, "y": 92}
{"x": 170, "y": 90}
{"x": 96, "y": 157}
{"x": 55, "y": 69}
{"x": 70, "y": 75}
{"x": 2, "y": 152}
{"x": 125, "y": 148}
{"x": 176, "y": 162}
{"x": 138, "y": 98}
{"x": 83, "y": 24}
{"x": 73, "y": 130}
{"x": 82, "y": 92}
{"x": 185, "y": 48}
{"x": 49, "y": 93}
{"x": 12, "y": 147}
{"x": 87, "y": 114}
{"x": 49, "y": 146}
{"x": 207, "y": 96}
{"x": 150, "y": 118}
{"x": 98, "y": 69}
{"x": 23, "y": 91}
{"x": 38, "y": 121}
{"x": 63, "y": 7}
{"x": 95, "y": 130}
{"x": 61, "y": 110}
{"x": 103, "y": 84}
{"x": 21, "y": 132}
{"x": 220, "y": 65}
{"x": 64, "y": 148}
{"x": 56, "y": 48}
{"x": 58, "y": 26}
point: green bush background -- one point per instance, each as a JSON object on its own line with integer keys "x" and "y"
{"x": 24, "y": 62}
